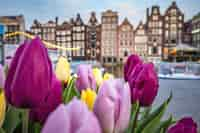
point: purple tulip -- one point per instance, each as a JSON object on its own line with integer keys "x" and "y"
{"x": 72, "y": 118}
{"x": 2, "y": 77}
{"x": 54, "y": 98}
{"x": 185, "y": 125}
{"x": 131, "y": 62}
{"x": 30, "y": 75}
{"x": 143, "y": 82}
{"x": 85, "y": 78}
{"x": 112, "y": 106}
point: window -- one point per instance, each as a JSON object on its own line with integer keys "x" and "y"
{"x": 125, "y": 53}
{"x": 180, "y": 17}
{"x": 155, "y": 17}
{"x": 155, "y": 50}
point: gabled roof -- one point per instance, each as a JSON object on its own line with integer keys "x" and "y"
{"x": 173, "y": 6}
{"x": 64, "y": 26}
{"x": 125, "y": 22}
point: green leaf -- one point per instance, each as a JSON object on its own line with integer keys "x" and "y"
{"x": 35, "y": 127}
{"x": 164, "y": 125}
{"x": 70, "y": 91}
{"x": 149, "y": 124}
{"x": 2, "y": 131}
{"x": 145, "y": 113}
{"x": 12, "y": 120}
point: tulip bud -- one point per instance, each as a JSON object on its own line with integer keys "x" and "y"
{"x": 2, "y": 77}
{"x": 30, "y": 75}
{"x": 143, "y": 82}
{"x": 63, "y": 69}
{"x": 72, "y": 118}
{"x": 112, "y": 106}
{"x": 98, "y": 76}
{"x": 2, "y": 107}
{"x": 85, "y": 78}
{"x": 88, "y": 96}
{"x": 130, "y": 64}
{"x": 185, "y": 125}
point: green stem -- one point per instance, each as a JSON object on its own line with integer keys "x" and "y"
{"x": 136, "y": 119}
{"x": 69, "y": 89}
{"x": 25, "y": 121}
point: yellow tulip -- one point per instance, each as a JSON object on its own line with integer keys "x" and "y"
{"x": 107, "y": 76}
{"x": 88, "y": 96}
{"x": 97, "y": 75}
{"x": 2, "y": 107}
{"x": 63, "y": 69}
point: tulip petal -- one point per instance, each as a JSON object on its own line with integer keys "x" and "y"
{"x": 125, "y": 108}
{"x": 85, "y": 78}
{"x": 12, "y": 72}
{"x": 54, "y": 98}
{"x": 57, "y": 122}
{"x": 131, "y": 62}
{"x": 72, "y": 118}
{"x": 104, "y": 110}
{"x": 112, "y": 106}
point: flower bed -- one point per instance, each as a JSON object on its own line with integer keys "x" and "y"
{"x": 34, "y": 98}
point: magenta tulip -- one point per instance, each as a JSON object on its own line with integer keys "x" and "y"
{"x": 30, "y": 75}
{"x": 54, "y": 98}
{"x": 113, "y": 105}
{"x": 72, "y": 118}
{"x": 85, "y": 78}
{"x": 131, "y": 63}
{"x": 2, "y": 77}
{"x": 185, "y": 125}
{"x": 143, "y": 82}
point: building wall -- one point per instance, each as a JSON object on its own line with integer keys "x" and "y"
{"x": 155, "y": 34}
{"x": 125, "y": 40}
{"x": 109, "y": 36}
{"x": 64, "y": 39}
{"x": 93, "y": 51}
{"x": 140, "y": 41}
{"x": 79, "y": 38}
{"x": 13, "y": 24}
{"x": 196, "y": 31}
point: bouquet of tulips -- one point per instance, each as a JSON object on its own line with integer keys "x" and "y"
{"x": 34, "y": 98}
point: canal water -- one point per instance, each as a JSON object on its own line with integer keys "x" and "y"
{"x": 186, "y": 98}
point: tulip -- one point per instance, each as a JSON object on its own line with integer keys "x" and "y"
{"x": 2, "y": 96}
{"x": 63, "y": 69}
{"x": 72, "y": 118}
{"x": 85, "y": 78}
{"x": 88, "y": 96}
{"x": 2, "y": 107}
{"x": 131, "y": 62}
{"x": 54, "y": 98}
{"x": 112, "y": 106}
{"x": 2, "y": 77}
{"x": 98, "y": 76}
{"x": 107, "y": 76}
{"x": 29, "y": 77}
{"x": 185, "y": 125}
{"x": 143, "y": 82}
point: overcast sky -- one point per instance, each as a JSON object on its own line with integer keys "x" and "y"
{"x": 45, "y": 10}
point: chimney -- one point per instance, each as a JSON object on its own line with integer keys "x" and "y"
{"x": 147, "y": 14}
{"x": 56, "y": 21}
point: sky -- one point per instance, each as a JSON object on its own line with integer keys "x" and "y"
{"x": 45, "y": 10}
